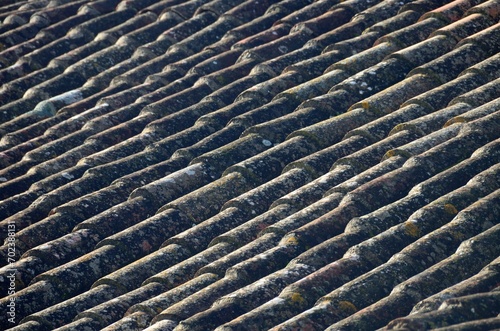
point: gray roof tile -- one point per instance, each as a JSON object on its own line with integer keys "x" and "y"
{"x": 112, "y": 310}
{"x": 156, "y": 304}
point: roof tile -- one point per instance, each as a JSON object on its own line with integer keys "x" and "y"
{"x": 144, "y": 269}
{"x": 251, "y": 249}
{"x": 474, "y": 114}
{"x": 198, "y": 301}
{"x": 244, "y": 299}
{"x": 109, "y": 311}
{"x": 156, "y": 304}
{"x": 177, "y": 274}
{"x": 356, "y": 301}
{"x": 271, "y": 162}
{"x": 325, "y": 22}
{"x": 455, "y": 61}
{"x": 211, "y": 228}
{"x": 452, "y": 11}
{"x": 62, "y": 313}
{"x": 220, "y": 191}
{"x": 490, "y": 8}
{"x": 430, "y": 282}
{"x": 320, "y": 162}
{"x": 482, "y": 282}
{"x": 455, "y": 310}
{"x": 49, "y": 254}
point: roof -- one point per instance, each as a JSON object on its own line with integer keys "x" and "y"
{"x": 250, "y": 165}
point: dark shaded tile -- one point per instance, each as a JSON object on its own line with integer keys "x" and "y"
{"x": 141, "y": 313}
{"x": 64, "y": 312}
{"x": 482, "y": 282}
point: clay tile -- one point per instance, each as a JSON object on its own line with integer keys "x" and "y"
{"x": 135, "y": 5}
{"x": 455, "y": 309}
{"x": 355, "y": 5}
{"x": 422, "y": 6}
{"x": 188, "y": 27}
{"x": 325, "y": 22}
{"x": 455, "y": 268}
{"x": 83, "y": 322}
{"x": 307, "y": 11}
{"x": 271, "y": 110}
{"x": 477, "y": 112}
{"x": 198, "y": 301}
{"x": 270, "y": 163}
{"x": 275, "y": 48}
{"x": 218, "y": 7}
{"x": 112, "y": 310}
{"x": 429, "y": 122}
{"x": 249, "y": 10}
{"x": 490, "y": 8}
{"x": 412, "y": 34}
{"x": 258, "y": 200}
{"x": 385, "y": 10}
{"x": 212, "y": 142}
{"x": 460, "y": 57}
{"x": 371, "y": 78}
{"x": 394, "y": 23}
{"x": 310, "y": 213}
{"x": 59, "y": 251}
{"x": 160, "y": 7}
{"x": 186, "y": 8}
{"x": 380, "y": 128}
{"x": 481, "y": 282}
{"x": 219, "y": 191}
{"x": 161, "y": 301}
{"x": 488, "y": 67}
{"x": 278, "y": 129}
{"x": 146, "y": 236}
{"x": 487, "y": 39}
{"x": 465, "y": 27}
{"x": 144, "y": 269}
{"x": 327, "y": 132}
{"x": 263, "y": 37}
{"x": 228, "y": 307}
{"x": 64, "y": 312}
{"x": 451, "y": 12}
{"x": 204, "y": 37}
{"x": 186, "y": 270}
{"x": 321, "y": 161}
{"x": 441, "y": 96}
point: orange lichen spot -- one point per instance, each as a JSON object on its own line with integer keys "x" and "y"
{"x": 450, "y": 209}
{"x": 292, "y": 240}
{"x": 390, "y": 153}
{"x": 297, "y": 298}
{"x": 454, "y": 120}
{"x": 347, "y": 307}
{"x": 412, "y": 229}
{"x": 365, "y": 104}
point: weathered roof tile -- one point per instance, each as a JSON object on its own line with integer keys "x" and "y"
{"x": 482, "y": 282}
{"x": 145, "y": 268}
{"x": 109, "y": 311}
{"x": 156, "y": 304}
{"x": 452, "y": 11}
{"x": 63, "y": 313}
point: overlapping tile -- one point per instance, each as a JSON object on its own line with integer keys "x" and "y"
{"x": 237, "y": 165}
